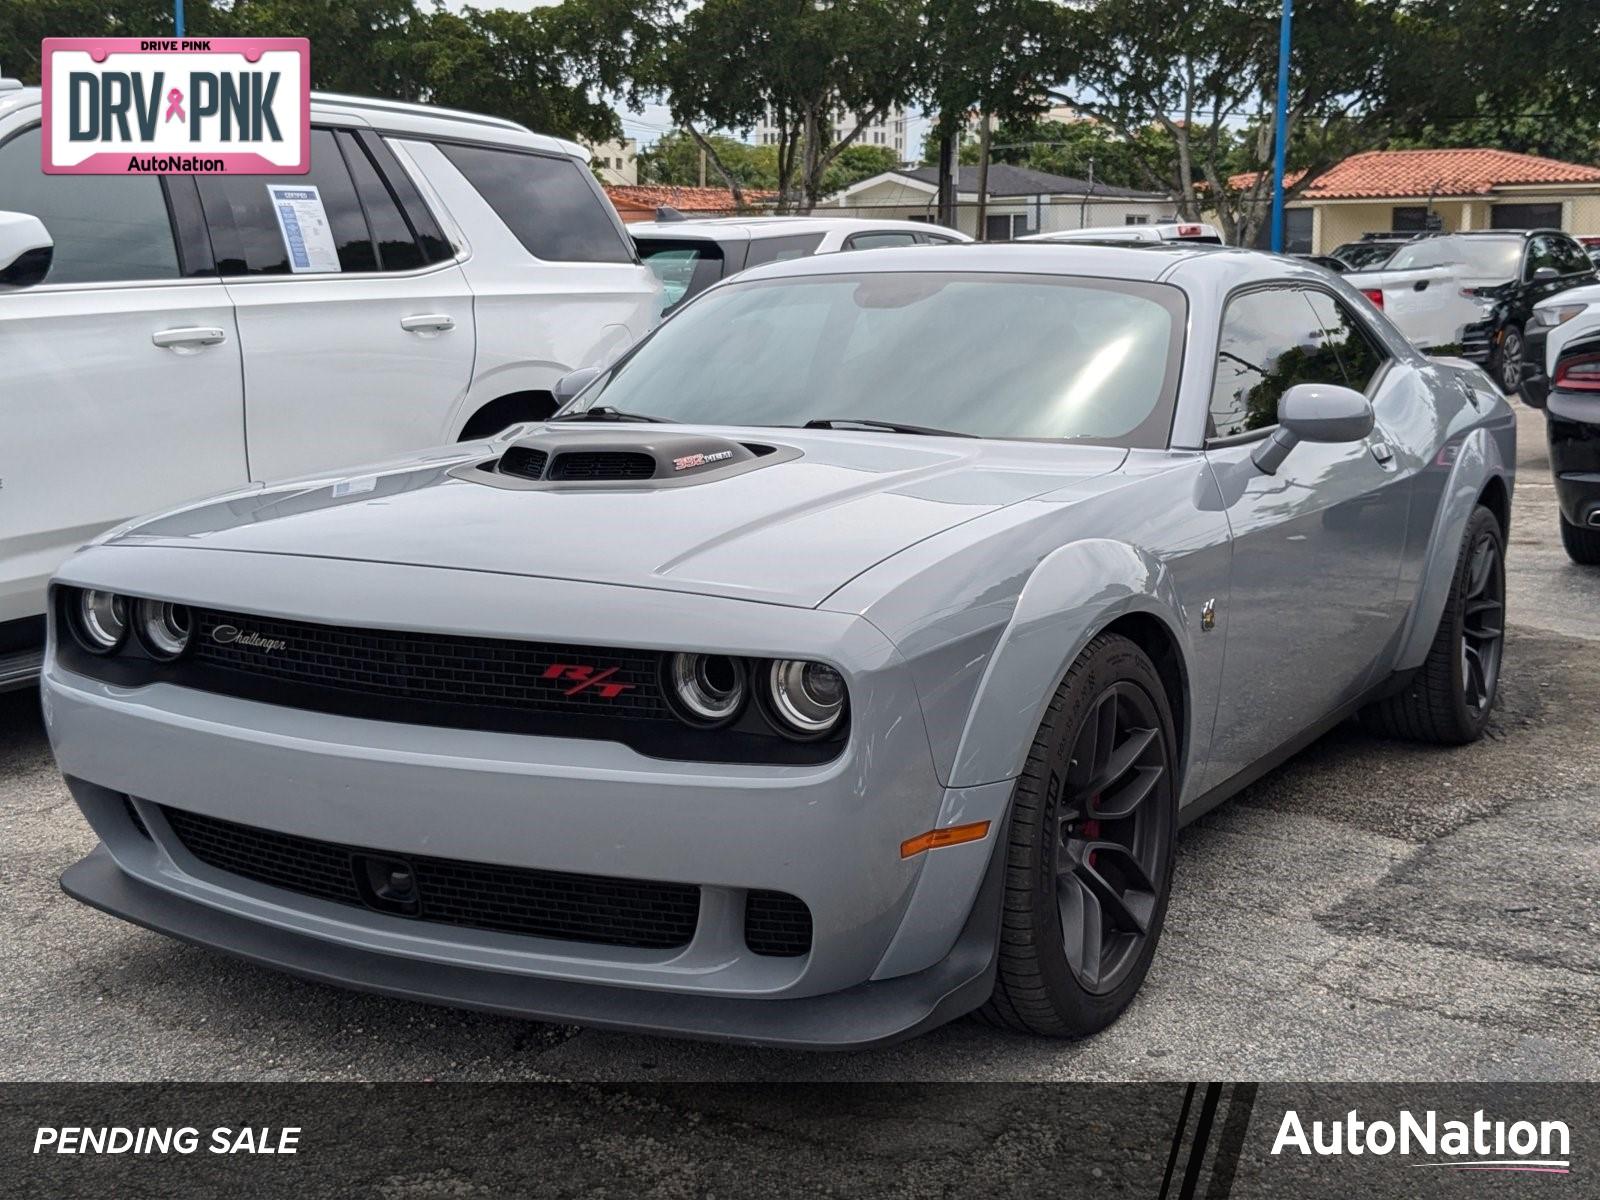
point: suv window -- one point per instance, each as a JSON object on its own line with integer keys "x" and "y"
{"x": 881, "y": 238}
{"x": 685, "y": 266}
{"x": 244, "y": 222}
{"x": 1359, "y": 353}
{"x": 781, "y": 249}
{"x": 107, "y": 228}
{"x": 1569, "y": 259}
{"x": 1270, "y": 341}
{"x": 1540, "y": 254}
{"x": 550, "y": 202}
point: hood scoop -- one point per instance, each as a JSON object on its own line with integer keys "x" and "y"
{"x": 578, "y": 458}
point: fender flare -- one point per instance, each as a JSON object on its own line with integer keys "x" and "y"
{"x": 1478, "y": 463}
{"x": 1072, "y": 595}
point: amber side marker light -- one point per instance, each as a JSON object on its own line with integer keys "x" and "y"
{"x": 952, "y": 835}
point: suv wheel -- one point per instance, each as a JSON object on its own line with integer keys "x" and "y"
{"x": 1090, "y": 851}
{"x": 1583, "y": 545}
{"x": 1450, "y": 698}
{"x": 1508, "y": 359}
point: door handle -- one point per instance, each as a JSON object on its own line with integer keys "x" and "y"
{"x": 198, "y": 335}
{"x": 428, "y": 323}
{"x": 1381, "y": 452}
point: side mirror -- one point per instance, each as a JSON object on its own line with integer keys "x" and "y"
{"x": 1314, "y": 412}
{"x": 26, "y": 249}
{"x": 1545, "y": 274}
{"x": 572, "y": 383}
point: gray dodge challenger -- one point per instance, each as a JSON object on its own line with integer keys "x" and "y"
{"x": 843, "y": 659}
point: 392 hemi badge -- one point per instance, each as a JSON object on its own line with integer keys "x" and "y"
{"x": 700, "y": 460}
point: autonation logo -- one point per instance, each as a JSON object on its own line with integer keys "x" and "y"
{"x": 1476, "y": 1145}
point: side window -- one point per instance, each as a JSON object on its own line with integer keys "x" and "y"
{"x": 245, "y": 224}
{"x": 1270, "y": 341}
{"x": 686, "y": 268}
{"x": 1359, "y": 353}
{"x": 936, "y": 239}
{"x": 550, "y": 202}
{"x": 781, "y": 249}
{"x": 391, "y": 233}
{"x": 107, "y": 228}
{"x": 1540, "y": 254}
{"x": 869, "y": 241}
{"x": 1569, "y": 258}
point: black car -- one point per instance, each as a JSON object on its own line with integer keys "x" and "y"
{"x": 1551, "y": 262}
{"x": 1571, "y": 402}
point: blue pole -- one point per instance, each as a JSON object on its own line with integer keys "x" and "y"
{"x": 177, "y": 16}
{"x": 1281, "y": 151}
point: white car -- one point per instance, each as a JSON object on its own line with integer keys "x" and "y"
{"x": 1163, "y": 231}
{"x": 157, "y": 343}
{"x": 689, "y": 255}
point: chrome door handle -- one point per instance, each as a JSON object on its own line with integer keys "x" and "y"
{"x": 169, "y": 339}
{"x": 428, "y": 323}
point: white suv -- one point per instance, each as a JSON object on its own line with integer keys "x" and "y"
{"x": 159, "y": 340}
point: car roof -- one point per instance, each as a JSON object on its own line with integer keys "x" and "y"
{"x": 1144, "y": 261}
{"x": 777, "y": 226}
{"x": 390, "y": 116}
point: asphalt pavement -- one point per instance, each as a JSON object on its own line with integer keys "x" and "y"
{"x": 1371, "y": 911}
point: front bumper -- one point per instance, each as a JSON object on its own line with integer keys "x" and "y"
{"x": 827, "y": 833}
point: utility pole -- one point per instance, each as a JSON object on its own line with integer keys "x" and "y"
{"x": 982, "y": 221}
{"x": 947, "y": 189}
{"x": 177, "y": 17}
{"x": 1280, "y": 152}
{"x": 702, "y": 166}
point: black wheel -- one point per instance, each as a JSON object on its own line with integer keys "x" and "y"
{"x": 1451, "y": 697}
{"x": 1583, "y": 545}
{"x": 1508, "y": 359}
{"x": 1090, "y": 851}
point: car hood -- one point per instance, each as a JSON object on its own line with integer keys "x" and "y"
{"x": 790, "y": 528}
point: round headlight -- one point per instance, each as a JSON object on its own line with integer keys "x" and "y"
{"x": 706, "y": 689}
{"x": 808, "y": 697}
{"x": 163, "y": 627}
{"x": 101, "y": 621}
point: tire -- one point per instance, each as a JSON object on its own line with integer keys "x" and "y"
{"x": 1583, "y": 545}
{"x": 1086, "y": 897}
{"x": 1450, "y": 698}
{"x": 1507, "y": 359}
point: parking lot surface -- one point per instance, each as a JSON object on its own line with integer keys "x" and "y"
{"x": 1371, "y": 911}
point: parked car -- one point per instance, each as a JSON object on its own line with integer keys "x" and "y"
{"x": 688, "y": 256}
{"x": 1372, "y": 251}
{"x": 1473, "y": 292}
{"x": 1326, "y": 261}
{"x": 1163, "y": 231}
{"x": 1561, "y": 374}
{"x": 873, "y": 605}
{"x": 1591, "y": 246}
{"x": 157, "y": 342}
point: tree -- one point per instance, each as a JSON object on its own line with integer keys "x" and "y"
{"x": 1195, "y": 72}
{"x": 823, "y": 71}
{"x": 675, "y": 160}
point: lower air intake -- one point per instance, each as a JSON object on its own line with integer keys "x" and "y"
{"x": 547, "y": 904}
{"x": 777, "y": 924}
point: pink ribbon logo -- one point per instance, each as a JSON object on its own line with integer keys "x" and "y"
{"x": 175, "y": 105}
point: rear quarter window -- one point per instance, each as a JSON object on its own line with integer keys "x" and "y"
{"x": 780, "y": 249}
{"x": 549, "y": 202}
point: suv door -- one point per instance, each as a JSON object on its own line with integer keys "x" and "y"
{"x": 119, "y": 372}
{"x": 1317, "y": 548}
{"x": 356, "y": 323}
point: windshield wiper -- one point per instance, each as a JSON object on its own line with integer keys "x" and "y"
{"x": 604, "y": 412}
{"x": 886, "y": 426}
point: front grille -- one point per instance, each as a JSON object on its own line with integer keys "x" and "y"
{"x": 777, "y": 924}
{"x": 523, "y": 462}
{"x": 549, "y": 904}
{"x": 602, "y": 464}
{"x": 461, "y": 672}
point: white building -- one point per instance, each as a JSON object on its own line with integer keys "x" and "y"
{"x": 888, "y": 134}
{"x": 616, "y": 162}
{"x": 1021, "y": 201}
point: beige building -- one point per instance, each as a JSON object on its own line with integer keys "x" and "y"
{"x": 616, "y": 162}
{"x": 887, "y": 134}
{"x": 1452, "y": 190}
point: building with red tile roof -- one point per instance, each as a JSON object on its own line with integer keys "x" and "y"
{"x": 639, "y": 203}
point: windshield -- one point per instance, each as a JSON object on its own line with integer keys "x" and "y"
{"x": 1014, "y": 356}
{"x": 1486, "y": 258}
